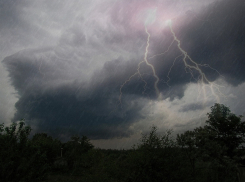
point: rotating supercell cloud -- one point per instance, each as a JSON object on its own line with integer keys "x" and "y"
{"x": 111, "y": 69}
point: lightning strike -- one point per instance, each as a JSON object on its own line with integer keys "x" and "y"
{"x": 138, "y": 70}
{"x": 150, "y": 65}
{"x": 190, "y": 66}
{"x": 202, "y": 80}
{"x": 149, "y": 20}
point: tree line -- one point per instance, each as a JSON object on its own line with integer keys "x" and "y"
{"x": 213, "y": 153}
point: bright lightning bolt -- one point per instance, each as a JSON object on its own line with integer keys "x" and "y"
{"x": 150, "y": 19}
{"x": 190, "y": 66}
{"x": 152, "y": 67}
{"x": 194, "y": 66}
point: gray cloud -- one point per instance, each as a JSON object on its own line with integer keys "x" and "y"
{"x": 74, "y": 85}
{"x": 216, "y": 37}
{"x": 64, "y": 112}
{"x": 62, "y": 103}
{"x": 194, "y": 107}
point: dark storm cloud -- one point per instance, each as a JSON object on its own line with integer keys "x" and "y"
{"x": 63, "y": 91}
{"x": 223, "y": 45}
{"x": 215, "y": 37}
{"x": 63, "y": 112}
{"x": 70, "y": 107}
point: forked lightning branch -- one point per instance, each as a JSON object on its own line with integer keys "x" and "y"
{"x": 204, "y": 84}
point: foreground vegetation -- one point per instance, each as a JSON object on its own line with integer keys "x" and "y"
{"x": 211, "y": 153}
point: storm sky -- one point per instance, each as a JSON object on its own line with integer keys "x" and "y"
{"x": 110, "y": 69}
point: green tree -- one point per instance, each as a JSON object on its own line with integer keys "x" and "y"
{"x": 156, "y": 158}
{"x": 47, "y": 146}
{"x": 223, "y": 128}
{"x": 188, "y": 147}
{"x": 155, "y": 141}
{"x": 18, "y": 159}
{"x": 215, "y": 146}
{"x": 13, "y": 142}
{"x": 74, "y": 148}
{"x": 228, "y": 129}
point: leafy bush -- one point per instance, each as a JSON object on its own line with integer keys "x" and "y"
{"x": 47, "y": 146}
{"x": 19, "y": 159}
{"x": 74, "y": 149}
{"x": 156, "y": 158}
